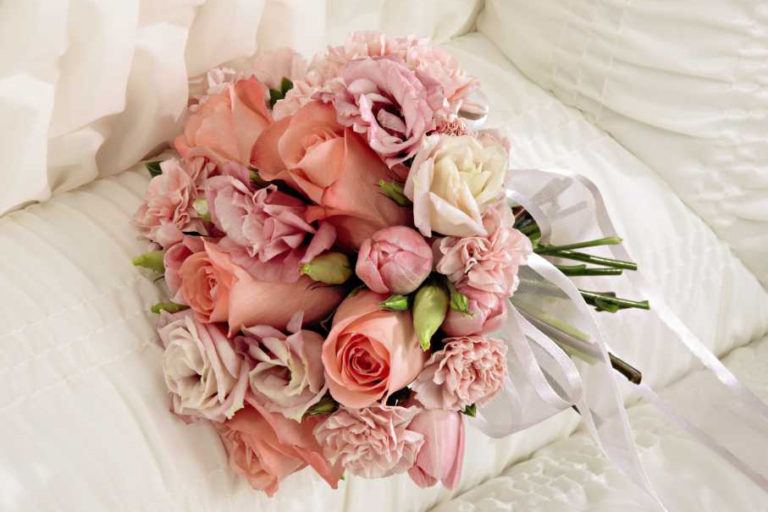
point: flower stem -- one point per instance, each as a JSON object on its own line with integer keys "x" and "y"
{"x": 589, "y": 258}
{"x": 610, "y": 298}
{"x": 611, "y": 240}
{"x": 583, "y": 270}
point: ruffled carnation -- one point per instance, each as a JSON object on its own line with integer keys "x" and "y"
{"x": 490, "y": 262}
{"x": 205, "y": 376}
{"x": 372, "y": 442}
{"x": 469, "y": 370}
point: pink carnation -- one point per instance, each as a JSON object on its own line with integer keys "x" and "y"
{"x": 469, "y": 370}
{"x": 266, "y": 231}
{"x": 390, "y": 103}
{"x": 167, "y": 210}
{"x": 372, "y": 442}
{"x": 489, "y": 263}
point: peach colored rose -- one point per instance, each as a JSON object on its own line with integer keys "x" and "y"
{"x": 372, "y": 442}
{"x": 468, "y": 370}
{"x": 265, "y": 228}
{"x": 266, "y": 447}
{"x": 486, "y": 262}
{"x": 218, "y": 290}
{"x": 205, "y": 376}
{"x": 174, "y": 257}
{"x": 334, "y": 168}
{"x": 394, "y": 260}
{"x": 226, "y": 124}
{"x": 453, "y": 180}
{"x": 287, "y": 375}
{"x": 441, "y": 457}
{"x": 370, "y": 353}
{"x": 392, "y": 105}
{"x": 487, "y": 312}
{"x": 167, "y": 209}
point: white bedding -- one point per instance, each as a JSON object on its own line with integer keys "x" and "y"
{"x": 84, "y": 418}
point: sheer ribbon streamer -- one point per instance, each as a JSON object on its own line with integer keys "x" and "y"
{"x": 550, "y": 322}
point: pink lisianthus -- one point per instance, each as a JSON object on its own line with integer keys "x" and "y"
{"x": 204, "y": 374}
{"x": 370, "y": 353}
{"x": 219, "y": 290}
{"x": 391, "y": 104}
{"x": 441, "y": 457}
{"x": 486, "y": 313}
{"x": 486, "y": 262}
{"x": 266, "y": 447}
{"x": 226, "y": 124}
{"x": 287, "y": 375}
{"x": 334, "y": 168}
{"x": 265, "y": 228}
{"x": 394, "y": 260}
{"x": 468, "y": 370}
{"x": 372, "y": 442}
{"x": 168, "y": 210}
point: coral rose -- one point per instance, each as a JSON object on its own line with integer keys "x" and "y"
{"x": 394, "y": 260}
{"x": 373, "y": 442}
{"x": 266, "y": 447}
{"x": 334, "y": 168}
{"x": 369, "y": 353}
{"x": 441, "y": 457}
{"x": 174, "y": 257}
{"x": 469, "y": 370}
{"x": 225, "y": 125}
{"x": 205, "y": 376}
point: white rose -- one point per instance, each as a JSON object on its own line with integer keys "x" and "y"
{"x": 204, "y": 374}
{"x": 452, "y": 181}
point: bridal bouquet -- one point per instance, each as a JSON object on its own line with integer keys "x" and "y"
{"x": 340, "y": 246}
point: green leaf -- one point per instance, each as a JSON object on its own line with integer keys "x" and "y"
{"x": 170, "y": 307}
{"x": 154, "y": 168}
{"x": 285, "y": 85}
{"x": 470, "y": 410}
{"x": 395, "y": 303}
{"x": 326, "y": 405}
{"x": 275, "y": 95}
{"x": 459, "y": 301}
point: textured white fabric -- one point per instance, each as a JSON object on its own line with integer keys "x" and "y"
{"x": 89, "y": 87}
{"x": 683, "y": 85}
{"x": 84, "y": 418}
{"x": 572, "y": 475}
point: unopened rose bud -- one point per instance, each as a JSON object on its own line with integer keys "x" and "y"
{"x": 429, "y": 308}
{"x": 329, "y": 268}
{"x": 152, "y": 260}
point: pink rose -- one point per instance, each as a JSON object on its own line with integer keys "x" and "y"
{"x": 469, "y": 370}
{"x": 370, "y": 353}
{"x": 372, "y": 442}
{"x": 266, "y": 447}
{"x": 268, "y": 228}
{"x": 167, "y": 209}
{"x": 391, "y": 104}
{"x": 226, "y": 124}
{"x": 490, "y": 262}
{"x": 174, "y": 257}
{"x": 441, "y": 457}
{"x": 487, "y": 312}
{"x": 287, "y": 375}
{"x": 205, "y": 376}
{"x": 218, "y": 290}
{"x": 334, "y": 168}
{"x": 394, "y": 260}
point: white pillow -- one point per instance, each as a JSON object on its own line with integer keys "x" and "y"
{"x": 683, "y": 85}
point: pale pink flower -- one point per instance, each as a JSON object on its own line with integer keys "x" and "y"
{"x": 266, "y": 231}
{"x": 174, "y": 257}
{"x": 442, "y": 455}
{"x": 389, "y": 103}
{"x": 204, "y": 374}
{"x": 487, "y": 262}
{"x": 287, "y": 375}
{"x": 168, "y": 210}
{"x": 372, "y": 442}
{"x": 468, "y": 370}
{"x": 271, "y": 66}
{"x": 394, "y": 260}
{"x": 487, "y": 312}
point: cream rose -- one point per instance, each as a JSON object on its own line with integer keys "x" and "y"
{"x": 452, "y": 181}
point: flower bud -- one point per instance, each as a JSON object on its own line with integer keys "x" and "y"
{"x": 429, "y": 308}
{"x": 329, "y": 268}
{"x": 396, "y": 260}
{"x": 395, "y": 303}
{"x": 459, "y": 301}
{"x": 170, "y": 307}
{"x": 152, "y": 260}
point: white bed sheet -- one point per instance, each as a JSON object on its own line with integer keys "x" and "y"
{"x": 84, "y": 422}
